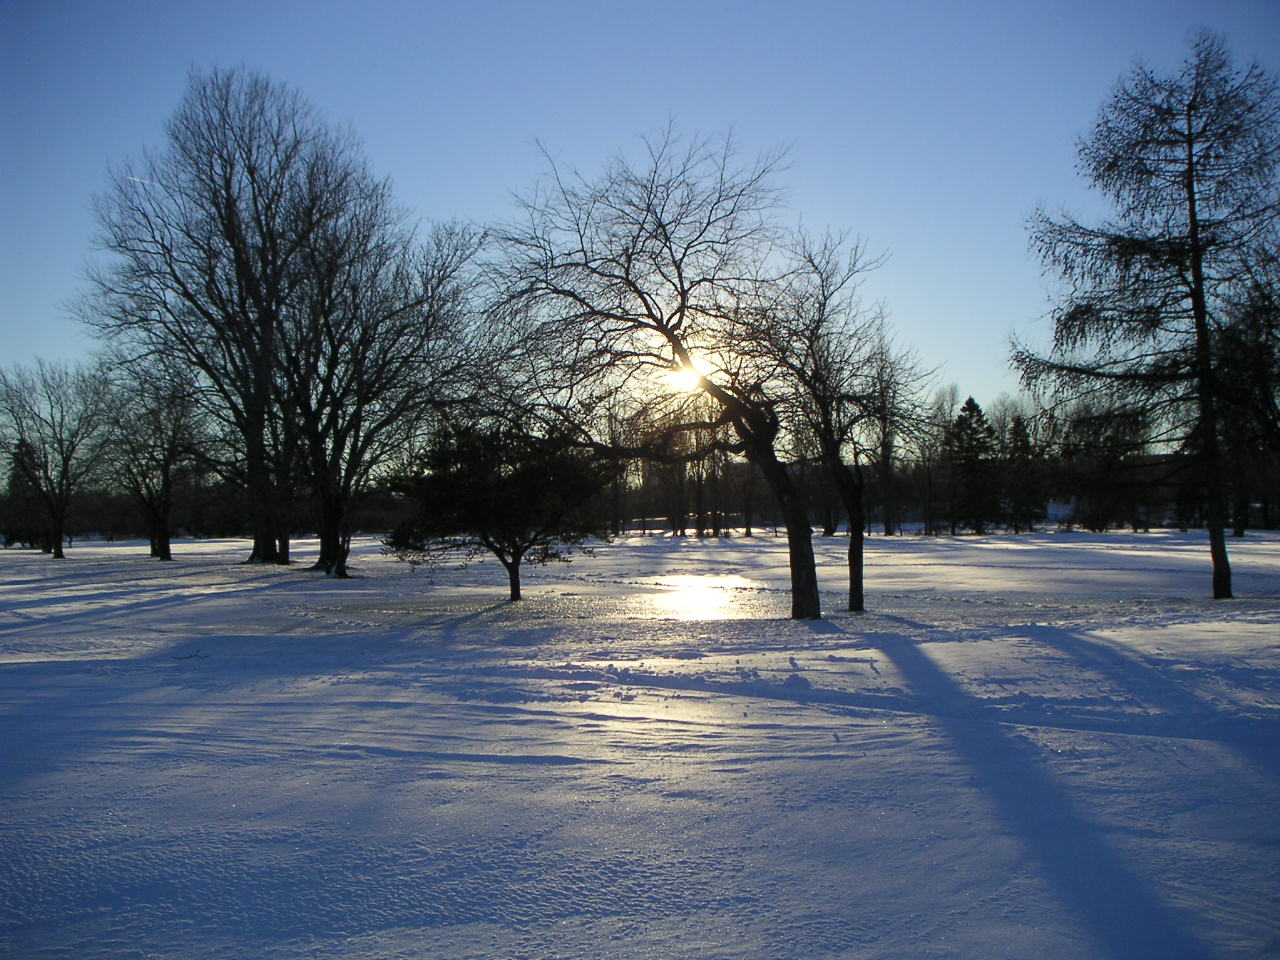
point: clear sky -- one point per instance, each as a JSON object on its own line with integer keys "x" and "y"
{"x": 930, "y": 129}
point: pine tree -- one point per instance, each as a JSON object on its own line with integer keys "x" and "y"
{"x": 1190, "y": 162}
{"x": 971, "y": 448}
{"x": 503, "y": 492}
{"x": 1024, "y": 499}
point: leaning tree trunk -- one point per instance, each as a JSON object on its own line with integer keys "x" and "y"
{"x": 805, "y": 601}
{"x": 857, "y": 596}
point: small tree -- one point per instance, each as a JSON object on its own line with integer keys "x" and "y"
{"x": 971, "y": 456}
{"x": 57, "y": 418}
{"x": 155, "y": 423}
{"x": 1023, "y": 476}
{"x": 500, "y": 491}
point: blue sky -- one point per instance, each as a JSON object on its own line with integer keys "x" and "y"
{"x": 930, "y": 129}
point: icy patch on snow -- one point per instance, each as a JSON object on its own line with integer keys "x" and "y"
{"x": 700, "y": 596}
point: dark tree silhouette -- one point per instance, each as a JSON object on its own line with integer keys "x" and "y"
{"x": 381, "y": 340}
{"x": 258, "y": 249}
{"x": 22, "y": 514}
{"x": 971, "y": 449}
{"x": 828, "y": 359}
{"x": 496, "y": 490}
{"x": 1189, "y": 161}
{"x": 56, "y": 419}
{"x": 1100, "y": 453}
{"x": 1024, "y": 475}
{"x": 1249, "y": 347}
{"x": 156, "y": 426}
{"x": 638, "y": 273}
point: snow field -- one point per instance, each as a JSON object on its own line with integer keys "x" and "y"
{"x": 1038, "y": 746}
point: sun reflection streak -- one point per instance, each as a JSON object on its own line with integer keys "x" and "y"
{"x": 700, "y": 597}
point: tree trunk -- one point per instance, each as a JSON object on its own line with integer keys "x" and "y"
{"x": 160, "y": 546}
{"x": 270, "y": 498}
{"x": 1214, "y": 513}
{"x": 1206, "y": 382}
{"x": 828, "y": 518}
{"x": 699, "y": 508}
{"x": 713, "y": 495}
{"x": 806, "y": 603}
{"x": 857, "y": 597}
{"x": 615, "y": 506}
{"x": 513, "y": 575}
{"x": 262, "y": 522}
{"x": 344, "y": 552}
{"x": 334, "y": 538}
{"x": 56, "y": 537}
{"x": 849, "y": 484}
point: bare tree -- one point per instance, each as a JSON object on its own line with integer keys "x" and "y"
{"x": 1189, "y": 161}
{"x": 831, "y": 362}
{"x": 56, "y": 418}
{"x": 156, "y": 426}
{"x": 210, "y": 239}
{"x": 633, "y": 275}
{"x": 381, "y": 336}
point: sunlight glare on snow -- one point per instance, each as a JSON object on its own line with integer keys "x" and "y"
{"x": 691, "y": 597}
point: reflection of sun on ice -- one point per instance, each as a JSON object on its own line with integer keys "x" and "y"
{"x": 690, "y": 597}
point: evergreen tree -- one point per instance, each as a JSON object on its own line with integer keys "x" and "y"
{"x": 1103, "y": 472}
{"x": 504, "y": 492}
{"x": 21, "y": 520}
{"x": 1189, "y": 161}
{"x": 971, "y": 448}
{"x": 1023, "y": 477}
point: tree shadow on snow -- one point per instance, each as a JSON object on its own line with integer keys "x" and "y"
{"x": 1114, "y": 905}
{"x": 1182, "y": 713}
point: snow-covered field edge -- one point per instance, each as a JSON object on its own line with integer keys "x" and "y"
{"x": 1051, "y": 746}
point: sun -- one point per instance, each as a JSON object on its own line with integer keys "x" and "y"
{"x": 687, "y": 378}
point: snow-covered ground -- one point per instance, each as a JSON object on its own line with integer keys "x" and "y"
{"x": 1050, "y": 746}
